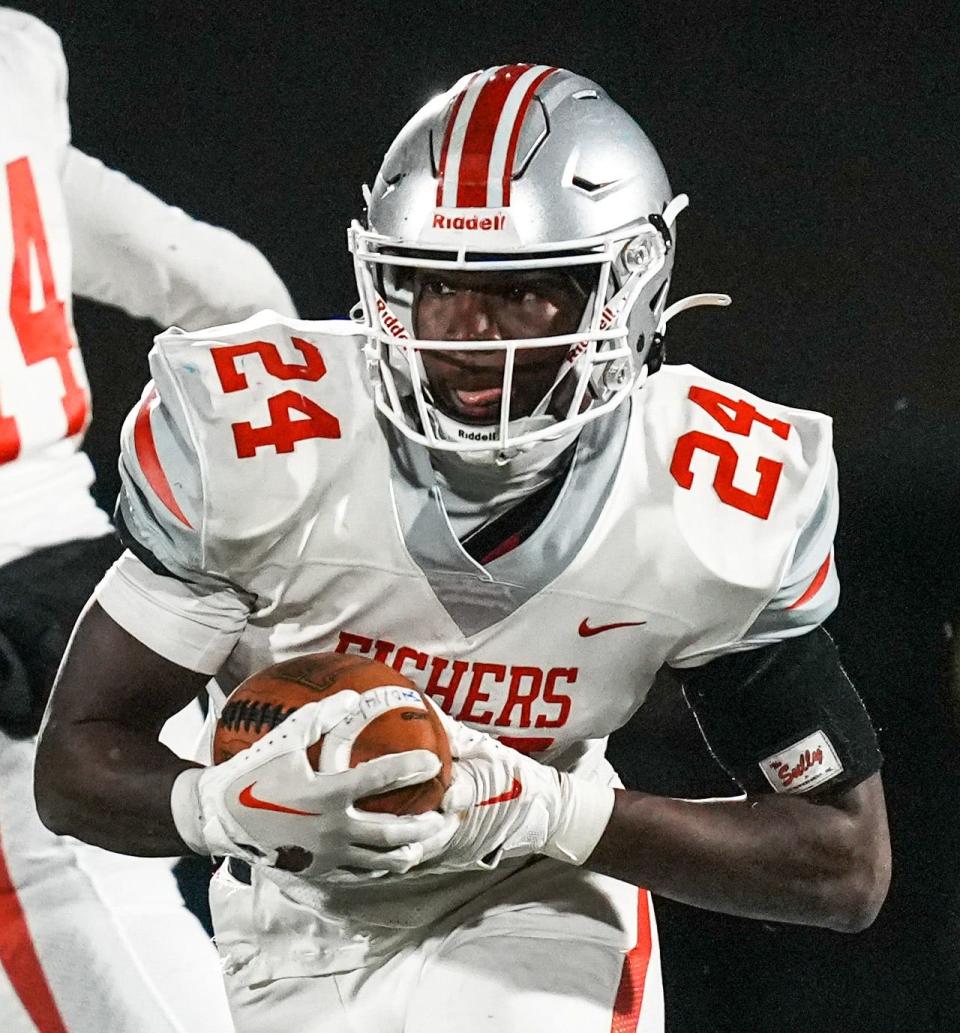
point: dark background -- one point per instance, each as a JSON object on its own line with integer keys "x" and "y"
{"x": 819, "y": 148}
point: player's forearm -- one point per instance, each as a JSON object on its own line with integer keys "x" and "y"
{"x": 784, "y": 859}
{"x": 110, "y": 786}
{"x": 101, "y": 775}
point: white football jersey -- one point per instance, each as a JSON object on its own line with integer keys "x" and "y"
{"x": 69, "y": 224}
{"x": 695, "y": 521}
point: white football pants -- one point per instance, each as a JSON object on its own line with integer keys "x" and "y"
{"x": 90, "y": 941}
{"x": 549, "y": 948}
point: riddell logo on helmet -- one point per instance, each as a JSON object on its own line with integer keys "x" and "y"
{"x": 389, "y": 321}
{"x": 606, "y": 318}
{"x": 476, "y": 435}
{"x": 469, "y": 222}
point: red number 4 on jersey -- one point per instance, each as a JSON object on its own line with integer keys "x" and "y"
{"x": 44, "y": 333}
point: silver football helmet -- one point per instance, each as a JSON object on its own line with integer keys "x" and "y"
{"x": 519, "y": 167}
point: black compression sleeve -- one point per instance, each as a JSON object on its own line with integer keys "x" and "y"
{"x": 784, "y": 718}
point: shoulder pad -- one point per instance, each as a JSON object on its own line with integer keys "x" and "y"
{"x": 242, "y": 424}
{"x": 742, "y": 475}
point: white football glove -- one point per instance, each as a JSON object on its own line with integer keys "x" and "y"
{"x": 267, "y": 801}
{"x": 509, "y": 805}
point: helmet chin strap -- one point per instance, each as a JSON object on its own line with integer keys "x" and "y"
{"x": 451, "y": 429}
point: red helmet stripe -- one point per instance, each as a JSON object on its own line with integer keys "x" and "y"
{"x": 448, "y": 133}
{"x": 479, "y": 149}
{"x": 478, "y": 141}
{"x": 515, "y": 132}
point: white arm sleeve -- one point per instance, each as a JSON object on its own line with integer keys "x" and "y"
{"x": 132, "y": 250}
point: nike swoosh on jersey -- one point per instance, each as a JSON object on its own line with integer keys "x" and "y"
{"x": 511, "y": 794}
{"x": 586, "y": 631}
{"x": 247, "y": 798}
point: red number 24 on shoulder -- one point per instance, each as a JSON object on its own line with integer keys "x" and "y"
{"x": 282, "y": 432}
{"x": 735, "y": 417}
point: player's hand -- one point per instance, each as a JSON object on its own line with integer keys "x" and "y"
{"x": 267, "y": 805}
{"x": 509, "y": 805}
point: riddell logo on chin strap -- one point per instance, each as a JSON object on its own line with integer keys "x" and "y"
{"x": 477, "y": 435}
{"x": 469, "y": 222}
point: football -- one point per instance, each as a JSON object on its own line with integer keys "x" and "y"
{"x": 393, "y": 717}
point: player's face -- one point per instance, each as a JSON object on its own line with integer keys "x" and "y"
{"x": 494, "y": 306}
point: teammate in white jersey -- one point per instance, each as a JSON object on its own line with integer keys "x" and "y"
{"x": 487, "y": 480}
{"x": 80, "y": 931}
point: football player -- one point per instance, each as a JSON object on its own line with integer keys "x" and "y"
{"x": 488, "y": 480}
{"x": 80, "y": 930}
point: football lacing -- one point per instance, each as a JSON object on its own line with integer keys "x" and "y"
{"x": 250, "y": 714}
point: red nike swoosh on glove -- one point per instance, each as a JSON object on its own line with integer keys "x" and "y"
{"x": 511, "y": 794}
{"x": 586, "y": 631}
{"x": 247, "y": 798}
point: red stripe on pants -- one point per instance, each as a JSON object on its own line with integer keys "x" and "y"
{"x": 626, "y": 1006}
{"x": 20, "y": 961}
